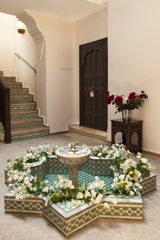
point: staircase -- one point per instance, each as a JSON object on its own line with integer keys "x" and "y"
{"x": 25, "y": 122}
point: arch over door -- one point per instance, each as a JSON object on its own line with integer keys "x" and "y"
{"x": 93, "y": 84}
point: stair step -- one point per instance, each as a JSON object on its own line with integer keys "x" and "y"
{"x": 19, "y": 91}
{"x": 89, "y": 132}
{"x": 13, "y": 85}
{"x": 24, "y": 114}
{"x": 26, "y": 123}
{"x": 22, "y": 99}
{"x": 23, "y": 106}
{"x": 8, "y": 80}
{"x": 29, "y": 133}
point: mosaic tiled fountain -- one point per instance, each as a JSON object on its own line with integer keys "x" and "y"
{"x": 69, "y": 221}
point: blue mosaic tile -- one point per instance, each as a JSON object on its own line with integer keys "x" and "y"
{"x": 53, "y": 177}
{"x": 83, "y": 177}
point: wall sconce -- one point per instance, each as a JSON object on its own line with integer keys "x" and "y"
{"x": 21, "y": 27}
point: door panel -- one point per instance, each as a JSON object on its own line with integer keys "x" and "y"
{"x": 93, "y": 84}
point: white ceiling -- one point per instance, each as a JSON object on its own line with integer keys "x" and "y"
{"x": 66, "y": 9}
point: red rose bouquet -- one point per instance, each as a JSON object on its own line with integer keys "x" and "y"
{"x": 133, "y": 101}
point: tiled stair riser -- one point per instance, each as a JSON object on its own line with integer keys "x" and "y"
{"x": 8, "y": 80}
{"x": 19, "y": 91}
{"x": 24, "y": 115}
{"x": 13, "y": 85}
{"x": 22, "y": 99}
{"x": 28, "y": 106}
{"x": 30, "y": 124}
{"x": 34, "y": 134}
{"x": 23, "y": 125}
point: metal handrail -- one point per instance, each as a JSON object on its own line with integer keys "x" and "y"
{"x": 28, "y": 64}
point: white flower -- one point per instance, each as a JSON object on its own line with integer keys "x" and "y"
{"x": 144, "y": 160}
{"x": 87, "y": 194}
{"x": 113, "y": 200}
{"x": 98, "y": 198}
{"x": 131, "y": 193}
{"x": 46, "y": 189}
{"x": 101, "y": 184}
{"x": 99, "y": 154}
{"x": 137, "y": 175}
{"x": 139, "y": 155}
{"x": 90, "y": 186}
{"x": 80, "y": 195}
{"x": 62, "y": 182}
{"x": 122, "y": 176}
{"x": 138, "y": 185}
{"x": 93, "y": 193}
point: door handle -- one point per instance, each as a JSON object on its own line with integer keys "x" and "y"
{"x": 91, "y": 92}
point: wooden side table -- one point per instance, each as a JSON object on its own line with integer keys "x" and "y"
{"x": 128, "y": 129}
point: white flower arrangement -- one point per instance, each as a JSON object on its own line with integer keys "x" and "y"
{"x": 64, "y": 191}
{"x": 62, "y": 182}
{"x": 100, "y": 151}
{"x": 40, "y": 153}
{"x": 128, "y": 170}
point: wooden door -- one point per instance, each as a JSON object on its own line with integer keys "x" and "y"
{"x": 93, "y": 84}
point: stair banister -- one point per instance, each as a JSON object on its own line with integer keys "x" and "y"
{"x": 27, "y": 63}
{"x": 5, "y": 111}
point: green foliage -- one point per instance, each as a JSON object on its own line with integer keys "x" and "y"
{"x": 18, "y": 164}
{"x": 143, "y": 168}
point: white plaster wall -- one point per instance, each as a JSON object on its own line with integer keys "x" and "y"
{"x": 89, "y": 29}
{"x": 7, "y": 34}
{"x": 59, "y": 37}
{"x": 12, "y": 42}
{"x": 41, "y": 97}
{"x": 134, "y": 59}
{"x": 25, "y": 47}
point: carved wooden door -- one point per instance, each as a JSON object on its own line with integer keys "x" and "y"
{"x": 93, "y": 84}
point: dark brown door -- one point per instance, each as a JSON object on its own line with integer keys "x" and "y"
{"x": 93, "y": 84}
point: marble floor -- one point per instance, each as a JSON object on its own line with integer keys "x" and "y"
{"x": 27, "y": 227}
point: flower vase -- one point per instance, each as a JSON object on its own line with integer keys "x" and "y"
{"x": 126, "y": 115}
